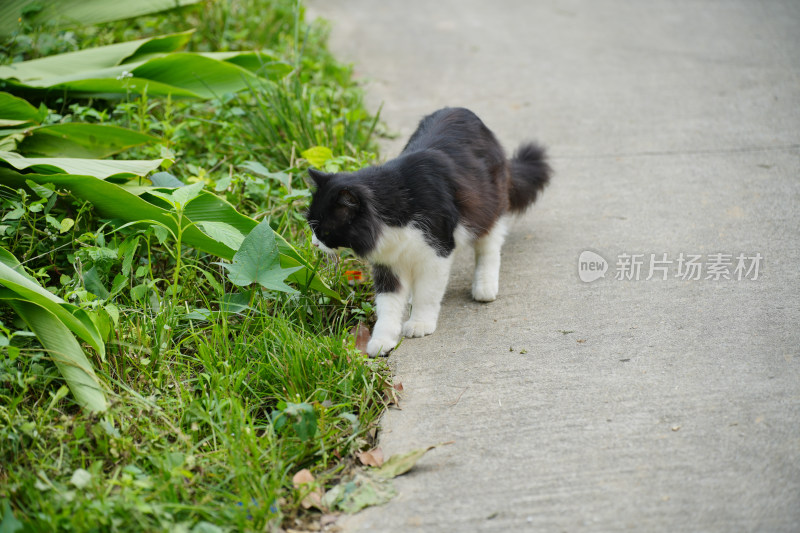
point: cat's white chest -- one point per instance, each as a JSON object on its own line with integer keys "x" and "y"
{"x": 405, "y": 246}
{"x": 401, "y": 248}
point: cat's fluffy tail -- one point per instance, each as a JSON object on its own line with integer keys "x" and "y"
{"x": 529, "y": 175}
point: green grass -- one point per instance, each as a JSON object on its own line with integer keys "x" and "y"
{"x": 191, "y": 439}
{"x": 219, "y": 394}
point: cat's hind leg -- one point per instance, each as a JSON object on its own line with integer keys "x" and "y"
{"x": 391, "y": 301}
{"x": 428, "y": 287}
{"x": 487, "y": 262}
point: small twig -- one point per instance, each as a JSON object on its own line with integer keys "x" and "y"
{"x": 451, "y": 404}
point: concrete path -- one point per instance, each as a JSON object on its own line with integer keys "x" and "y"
{"x": 617, "y": 404}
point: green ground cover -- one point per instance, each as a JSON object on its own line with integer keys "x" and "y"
{"x": 224, "y": 359}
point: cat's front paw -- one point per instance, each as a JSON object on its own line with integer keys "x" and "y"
{"x": 484, "y": 291}
{"x": 418, "y": 328}
{"x": 381, "y": 345}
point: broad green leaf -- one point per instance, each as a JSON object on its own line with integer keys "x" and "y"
{"x": 101, "y": 88}
{"x": 149, "y": 65}
{"x": 209, "y": 207}
{"x": 9, "y": 143}
{"x": 18, "y": 110}
{"x": 5, "y": 122}
{"x": 93, "y": 284}
{"x": 65, "y": 352}
{"x": 23, "y": 287}
{"x": 162, "y": 44}
{"x": 81, "y": 478}
{"x": 257, "y": 168}
{"x": 92, "y": 141}
{"x": 89, "y": 167}
{"x": 65, "y": 13}
{"x": 258, "y": 261}
{"x": 165, "y": 179}
{"x": 260, "y": 63}
{"x": 92, "y": 59}
{"x": 187, "y": 193}
{"x": 43, "y": 191}
{"x": 201, "y": 75}
{"x": 10, "y": 524}
{"x": 224, "y": 233}
{"x": 114, "y": 201}
{"x": 65, "y": 225}
{"x": 179, "y": 197}
{"x": 317, "y": 155}
{"x": 302, "y": 417}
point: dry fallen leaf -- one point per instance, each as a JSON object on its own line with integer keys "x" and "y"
{"x": 372, "y": 457}
{"x": 302, "y": 477}
{"x": 400, "y": 463}
{"x": 314, "y": 497}
{"x": 390, "y": 395}
{"x": 358, "y": 492}
{"x": 362, "y": 336}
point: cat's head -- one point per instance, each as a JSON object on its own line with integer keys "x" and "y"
{"x": 340, "y": 215}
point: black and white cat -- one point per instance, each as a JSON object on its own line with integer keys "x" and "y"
{"x": 452, "y": 184}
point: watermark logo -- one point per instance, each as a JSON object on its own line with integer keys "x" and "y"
{"x": 591, "y": 266}
{"x": 662, "y": 266}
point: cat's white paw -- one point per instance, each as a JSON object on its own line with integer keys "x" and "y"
{"x": 418, "y": 328}
{"x": 484, "y": 291}
{"x": 381, "y": 345}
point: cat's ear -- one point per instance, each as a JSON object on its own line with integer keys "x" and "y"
{"x": 320, "y": 178}
{"x": 348, "y": 199}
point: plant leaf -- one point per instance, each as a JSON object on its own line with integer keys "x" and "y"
{"x": 86, "y": 167}
{"x": 187, "y": 193}
{"x": 94, "y": 141}
{"x": 79, "y": 12}
{"x": 21, "y": 286}
{"x": 19, "y": 110}
{"x": 313, "y": 497}
{"x": 359, "y": 492}
{"x": 37, "y": 72}
{"x": 372, "y": 457}
{"x": 81, "y": 478}
{"x": 401, "y": 463}
{"x": 165, "y": 179}
{"x": 91, "y": 280}
{"x": 10, "y": 524}
{"x": 224, "y": 233}
{"x": 258, "y": 261}
{"x": 361, "y": 335}
{"x": 317, "y": 155}
{"x": 66, "y": 353}
{"x": 136, "y": 67}
{"x": 204, "y": 76}
{"x": 257, "y": 168}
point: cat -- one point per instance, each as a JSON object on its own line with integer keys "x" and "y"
{"x": 452, "y": 184}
